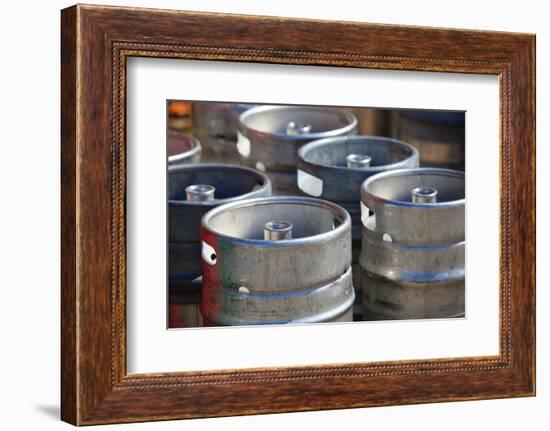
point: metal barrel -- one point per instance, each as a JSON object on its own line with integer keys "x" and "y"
{"x": 270, "y": 136}
{"x": 438, "y": 136}
{"x": 303, "y": 276}
{"x": 186, "y": 208}
{"x": 329, "y": 169}
{"x": 216, "y": 125}
{"x": 182, "y": 149}
{"x": 412, "y": 258}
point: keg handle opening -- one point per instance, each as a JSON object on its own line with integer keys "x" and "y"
{"x": 298, "y": 128}
{"x": 337, "y": 221}
{"x": 368, "y": 217}
{"x": 257, "y": 186}
{"x": 386, "y": 237}
{"x": 209, "y": 253}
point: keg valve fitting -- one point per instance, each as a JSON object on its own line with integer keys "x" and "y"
{"x": 200, "y": 192}
{"x": 424, "y": 195}
{"x": 358, "y": 160}
{"x": 298, "y": 128}
{"x": 278, "y": 230}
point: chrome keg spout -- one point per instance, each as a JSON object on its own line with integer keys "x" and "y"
{"x": 424, "y": 195}
{"x": 200, "y": 192}
{"x": 358, "y": 160}
{"x": 278, "y": 230}
{"x": 298, "y": 128}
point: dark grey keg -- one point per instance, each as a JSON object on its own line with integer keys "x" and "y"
{"x": 193, "y": 190}
{"x": 412, "y": 258}
{"x": 275, "y": 261}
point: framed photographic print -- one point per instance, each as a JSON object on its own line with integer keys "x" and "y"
{"x": 264, "y": 214}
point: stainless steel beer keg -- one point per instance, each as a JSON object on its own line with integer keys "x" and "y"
{"x": 193, "y": 190}
{"x": 216, "y": 124}
{"x": 182, "y": 149}
{"x": 276, "y": 260}
{"x": 335, "y": 168}
{"x": 412, "y": 258}
{"x": 270, "y": 137}
{"x": 439, "y": 136}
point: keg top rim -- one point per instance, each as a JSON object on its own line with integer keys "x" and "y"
{"x": 336, "y": 209}
{"x": 194, "y": 150}
{"x": 350, "y": 126}
{"x": 367, "y": 194}
{"x": 305, "y": 149}
{"x": 265, "y": 183}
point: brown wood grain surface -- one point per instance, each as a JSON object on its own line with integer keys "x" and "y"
{"x": 95, "y": 42}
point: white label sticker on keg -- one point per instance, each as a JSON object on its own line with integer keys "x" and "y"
{"x": 310, "y": 184}
{"x": 243, "y": 145}
{"x": 209, "y": 254}
{"x": 368, "y": 219}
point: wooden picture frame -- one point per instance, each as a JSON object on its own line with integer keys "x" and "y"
{"x": 95, "y": 43}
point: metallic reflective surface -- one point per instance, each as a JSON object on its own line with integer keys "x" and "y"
{"x": 294, "y": 128}
{"x": 358, "y": 160}
{"x": 231, "y": 183}
{"x": 412, "y": 257}
{"x": 249, "y": 280}
{"x": 327, "y": 160}
{"x": 182, "y": 149}
{"x": 278, "y": 230}
{"x": 200, "y": 192}
{"x": 426, "y": 195}
{"x": 273, "y": 135}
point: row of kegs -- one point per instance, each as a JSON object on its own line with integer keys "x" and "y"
{"x": 314, "y": 223}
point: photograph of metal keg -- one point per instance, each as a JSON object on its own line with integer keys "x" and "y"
{"x": 298, "y": 214}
